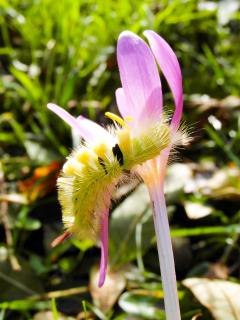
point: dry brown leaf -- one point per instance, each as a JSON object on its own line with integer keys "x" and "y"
{"x": 42, "y": 182}
{"x": 104, "y": 298}
{"x": 219, "y": 296}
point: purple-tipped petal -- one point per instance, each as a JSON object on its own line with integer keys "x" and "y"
{"x": 88, "y": 130}
{"x": 104, "y": 249}
{"x": 170, "y": 67}
{"x": 139, "y": 77}
{"x": 94, "y": 131}
{"x": 64, "y": 115}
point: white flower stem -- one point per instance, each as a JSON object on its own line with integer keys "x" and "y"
{"x": 165, "y": 254}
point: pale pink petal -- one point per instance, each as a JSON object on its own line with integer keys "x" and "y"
{"x": 139, "y": 76}
{"x": 104, "y": 249}
{"x": 170, "y": 67}
{"x": 122, "y": 103}
{"x": 88, "y": 130}
{"x": 95, "y": 131}
{"x": 64, "y": 115}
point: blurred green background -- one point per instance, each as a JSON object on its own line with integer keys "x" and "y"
{"x": 64, "y": 52}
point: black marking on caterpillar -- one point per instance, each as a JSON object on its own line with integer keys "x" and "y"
{"x": 118, "y": 154}
{"x": 101, "y": 162}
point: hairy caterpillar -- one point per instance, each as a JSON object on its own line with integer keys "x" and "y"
{"x": 92, "y": 172}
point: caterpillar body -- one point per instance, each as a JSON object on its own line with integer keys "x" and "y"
{"x": 91, "y": 173}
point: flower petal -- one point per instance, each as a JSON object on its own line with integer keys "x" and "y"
{"x": 139, "y": 77}
{"x": 88, "y": 130}
{"x": 122, "y": 103}
{"x": 170, "y": 67}
{"x": 94, "y": 131}
{"x": 64, "y": 115}
{"x": 104, "y": 249}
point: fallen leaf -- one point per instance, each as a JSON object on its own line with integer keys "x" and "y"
{"x": 42, "y": 182}
{"x": 220, "y": 297}
{"x": 196, "y": 210}
{"x": 104, "y": 298}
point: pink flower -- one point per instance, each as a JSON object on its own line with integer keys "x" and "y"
{"x": 141, "y": 94}
{"x": 140, "y": 104}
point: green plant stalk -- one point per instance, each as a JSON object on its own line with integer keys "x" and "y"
{"x": 165, "y": 254}
{"x": 54, "y": 309}
{"x": 222, "y": 144}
